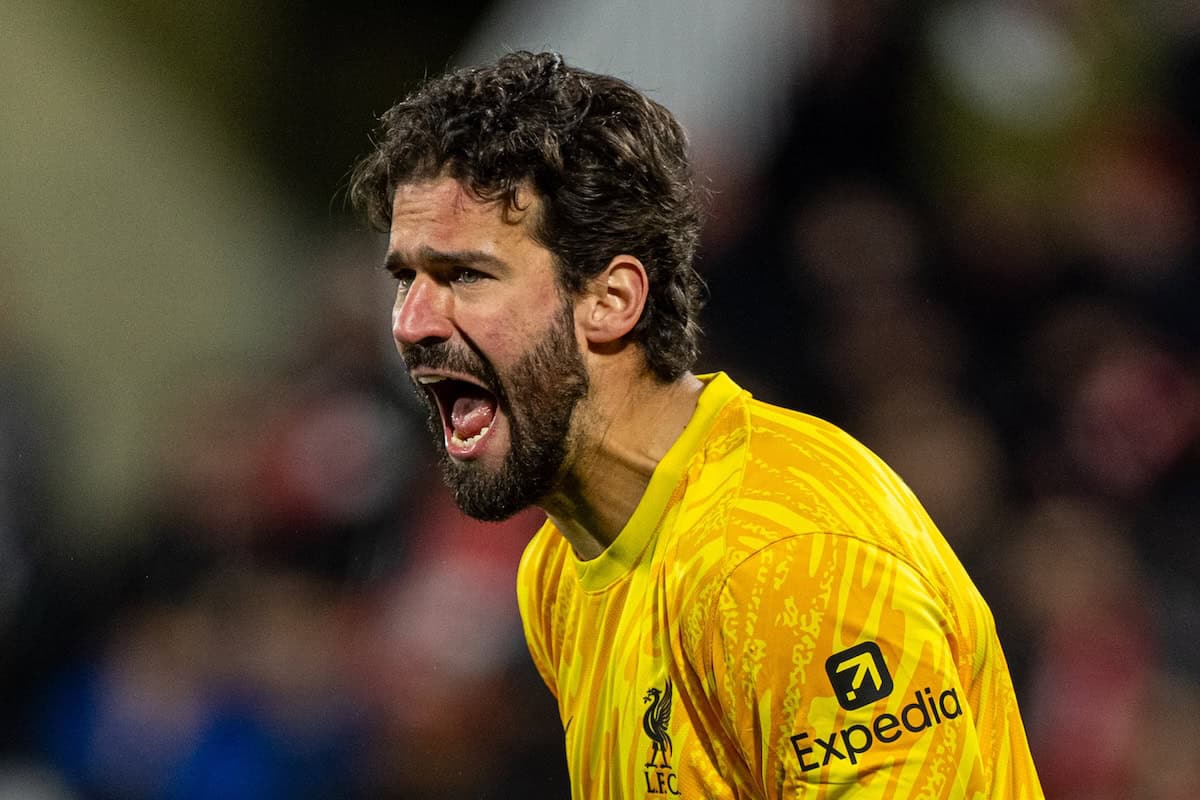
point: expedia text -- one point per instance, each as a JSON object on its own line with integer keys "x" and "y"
{"x": 852, "y": 741}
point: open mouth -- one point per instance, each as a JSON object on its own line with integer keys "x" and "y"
{"x": 468, "y": 412}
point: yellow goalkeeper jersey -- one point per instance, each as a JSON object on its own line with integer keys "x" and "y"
{"x": 778, "y": 619}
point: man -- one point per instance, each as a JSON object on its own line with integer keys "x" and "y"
{"x": 728, "y": 600}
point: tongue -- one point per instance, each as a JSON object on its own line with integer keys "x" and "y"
{"x": 471, "y": 414}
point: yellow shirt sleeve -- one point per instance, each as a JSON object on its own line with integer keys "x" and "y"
{"x": 887, "y": 712}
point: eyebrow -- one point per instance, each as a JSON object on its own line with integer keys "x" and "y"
{"x": 440, "y": 258}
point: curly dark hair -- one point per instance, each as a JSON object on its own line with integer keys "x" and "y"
{"x": 608, "y": 164}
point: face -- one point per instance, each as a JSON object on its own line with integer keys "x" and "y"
{"x": 489, "y": 342}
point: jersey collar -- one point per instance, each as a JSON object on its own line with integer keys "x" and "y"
{"x": 631, "y": 543}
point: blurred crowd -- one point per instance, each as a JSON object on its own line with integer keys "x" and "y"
{"x": 977, "y": 248}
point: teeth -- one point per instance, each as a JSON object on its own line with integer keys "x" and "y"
{"x": 427, "y": 379}
{"x": 457, "y": 442}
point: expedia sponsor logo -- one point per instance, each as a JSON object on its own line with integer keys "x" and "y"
{"x": 850, "y": 742}
{"x": 860, "y": 677}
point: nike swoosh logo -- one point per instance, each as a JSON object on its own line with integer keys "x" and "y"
{"x": 568, "y": 727}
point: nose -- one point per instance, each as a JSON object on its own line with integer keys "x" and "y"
{"x": 422, "y": 313}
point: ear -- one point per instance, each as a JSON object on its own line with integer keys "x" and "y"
{"x": 613, "y": 301}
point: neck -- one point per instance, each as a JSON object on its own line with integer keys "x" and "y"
{"x": 624, "y": 429}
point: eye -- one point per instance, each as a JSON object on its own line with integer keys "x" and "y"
{"x": 466, "y": 275}
{"x": 404, "y": 278}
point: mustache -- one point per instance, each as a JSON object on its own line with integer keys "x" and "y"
{"x": 445, "y": 357}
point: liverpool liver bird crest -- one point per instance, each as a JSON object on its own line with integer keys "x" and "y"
{"x": 656, "y": 720}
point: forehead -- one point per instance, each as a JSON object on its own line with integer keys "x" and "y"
{"x": 443, "y": 215}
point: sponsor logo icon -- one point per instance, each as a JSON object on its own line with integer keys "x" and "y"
{"x": 858, "y": 676}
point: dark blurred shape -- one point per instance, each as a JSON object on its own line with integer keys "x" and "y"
{"x": 458, "y": 711}
{"x": 1083, "y": 591}
{"x": 27, "y": 424}
{"x": 232, "y": 692}
{"x": 31, "y": 781}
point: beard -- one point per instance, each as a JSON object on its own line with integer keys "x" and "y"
{"x": 538, "y": 396}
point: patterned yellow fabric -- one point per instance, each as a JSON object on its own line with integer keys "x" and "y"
{"x": 778, "y": 619}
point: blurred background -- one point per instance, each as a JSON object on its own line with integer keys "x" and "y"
{"x": 968, "y": 232}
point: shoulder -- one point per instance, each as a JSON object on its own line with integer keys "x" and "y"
{"x": 768, "y": 473}
{"x": 806, "y": 476}
{"x": 780, "y": 495}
